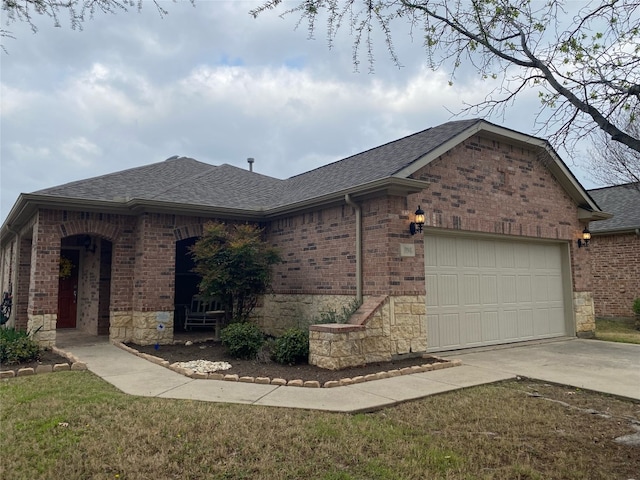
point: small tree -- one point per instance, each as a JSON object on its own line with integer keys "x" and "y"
{"x": 235, "y": 265}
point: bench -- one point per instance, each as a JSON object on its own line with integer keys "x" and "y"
{"x": 205, "y": 312}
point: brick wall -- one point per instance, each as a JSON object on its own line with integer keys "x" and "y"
{"x": 488, "y": 186}
{"x": 7, "y": 265}
{"x": 21, "y": 285}
{"x": 615, "y": 261}
{"x": 155, "y": 263}
{"x": 105, "y": 287}
{"x": 319, "y": 251}
{"x": 385, "y": 228}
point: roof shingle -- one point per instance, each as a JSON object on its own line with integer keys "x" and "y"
{"x": 623, "y": 201}
{"x": 188, "y": 181}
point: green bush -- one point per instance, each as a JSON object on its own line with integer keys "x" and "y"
{"x": 292, "y": 347}
{"x": 17, "y": 347}
{"x": 636, "y": 306}
{"x": 242, "y": 339}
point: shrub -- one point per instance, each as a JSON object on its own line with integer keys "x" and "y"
{"x": 292, "y": 347}
{"x": 242, "y": 339}
{"x": 636, "y": 306}
{"x": 17, "y": 347}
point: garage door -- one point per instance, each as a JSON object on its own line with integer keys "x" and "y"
{"x": 487, "y": 292}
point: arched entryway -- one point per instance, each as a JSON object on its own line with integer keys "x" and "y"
{"x": 84, "y": 284}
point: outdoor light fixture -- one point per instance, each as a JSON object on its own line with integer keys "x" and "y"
{"x": 87, "y": 244}
{"x": 586, "y": 236}
{"x": 419, "y": 222}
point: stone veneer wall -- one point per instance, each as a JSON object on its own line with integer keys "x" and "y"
{"x": 584, "y": 312}
{"x": 395, "y": 326}
{"x": 141, "y": 327}
{"x": 146, "y": 331}
{"x": 43, "y": 326}
{"x": 278, "y": 312}
{"x": 120, "y": 326}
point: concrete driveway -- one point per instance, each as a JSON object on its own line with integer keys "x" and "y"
{"x": 590, "y": 364}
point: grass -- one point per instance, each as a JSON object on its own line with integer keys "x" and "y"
{"x": 617, "y": 330}
{"x": 73, "y": 425}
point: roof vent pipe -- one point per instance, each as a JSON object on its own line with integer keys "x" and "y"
{"x": 250, "y": 160}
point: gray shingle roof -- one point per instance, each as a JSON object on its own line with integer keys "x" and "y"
{"x": 140, "y": 182}
{"x": 375, "y": 164}
{"x": 623, "y": 201}
{"x": 188, "y": 181}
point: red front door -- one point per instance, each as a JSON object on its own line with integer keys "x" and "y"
{"x": 68, "y": 291}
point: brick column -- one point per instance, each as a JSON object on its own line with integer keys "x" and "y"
{"x": 583, "y": 306}
{"x": 42, "y": 309}
{"x": 154, "y": 280}
{"x": 21, "y": 285}
{"x": 121, "y": 295}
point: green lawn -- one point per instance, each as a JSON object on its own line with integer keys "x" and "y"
{"x": 73, "y": 425}
{"x": 617, "y": 330}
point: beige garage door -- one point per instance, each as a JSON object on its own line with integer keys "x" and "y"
{"x": 487, "y": 292}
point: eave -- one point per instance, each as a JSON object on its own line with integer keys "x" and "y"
{"x": 28, "y": 204}
{"x": 587, "y": 215}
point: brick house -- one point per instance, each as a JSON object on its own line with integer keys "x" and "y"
{"x": 497, "y": 260}
{"x": 615, "y": 251}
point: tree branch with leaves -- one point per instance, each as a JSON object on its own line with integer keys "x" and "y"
{"x": 235, "y": 265}
{"x": 76, "y": 11}
{"x": 584, "y": 58}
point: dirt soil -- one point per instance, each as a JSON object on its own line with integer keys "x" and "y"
{"x": 215, "y": 352}
{"x": 47, "y": 357}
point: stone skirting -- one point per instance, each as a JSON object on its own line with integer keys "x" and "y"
{"x": 141, "y": 327}
{"x": 395, "y": 326}
{"x": 121, "y": 326}
{"x": 583, "y": 308}
{"x": 152, "y": 327}
{"x": 43, "y": 328}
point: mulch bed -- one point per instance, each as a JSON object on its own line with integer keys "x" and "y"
{"x": 47, "y": 357}
{"x": 215, "y": 352}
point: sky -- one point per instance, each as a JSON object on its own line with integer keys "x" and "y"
{"x": 212, "y": 83}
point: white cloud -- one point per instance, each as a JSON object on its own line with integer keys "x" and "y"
{"x": 80, "y": 151}
{"x": 211, "y": 83}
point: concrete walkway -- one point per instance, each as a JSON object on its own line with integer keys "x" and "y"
{"x": 608, "y": 367}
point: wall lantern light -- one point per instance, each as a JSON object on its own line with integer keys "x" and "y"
{"x": 417, "y": 225}
{"x": 586, "y": 236}
{"x": 88, "y": 247}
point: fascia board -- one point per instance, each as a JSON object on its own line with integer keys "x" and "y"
{"x": 593, "y": 216}
{"x": 28, "y": 204}
{"x": 438, "y": 151}
{"x": 388, "y": 186}
{"x": 137, "y": 206}
{"x": 615, "y": 231}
